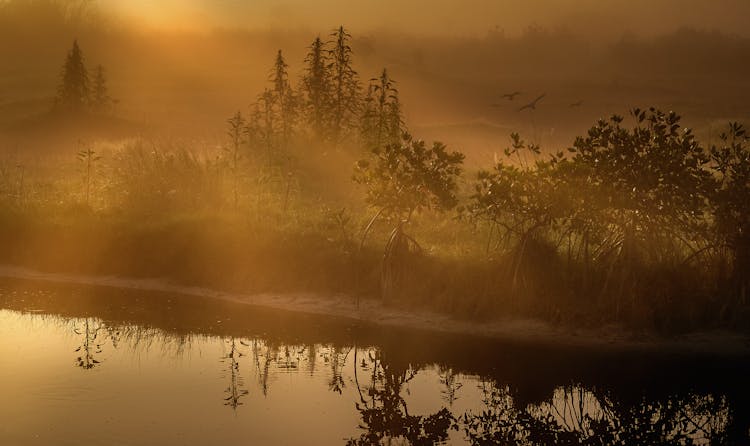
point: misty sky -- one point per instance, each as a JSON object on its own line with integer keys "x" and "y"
{"x": 464, "y": 17}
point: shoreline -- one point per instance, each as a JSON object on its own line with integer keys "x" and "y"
{"x": 373, "y": 312}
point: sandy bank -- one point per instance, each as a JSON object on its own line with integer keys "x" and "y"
{"x": 372, "y": 311}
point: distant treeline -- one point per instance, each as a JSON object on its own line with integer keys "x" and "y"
{"x": 650, "y": 68}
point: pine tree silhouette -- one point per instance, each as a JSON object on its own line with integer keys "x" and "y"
{"x": 381, "y": 119}
{"x": 284, "y": 96}
{"x": 345, "y": 88}
{"x": 316, "y": 89}
{"x": 73, "y": 93}
{"x": 100, "y": 99}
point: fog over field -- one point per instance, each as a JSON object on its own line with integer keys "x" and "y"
{"x": 172, "y": 65}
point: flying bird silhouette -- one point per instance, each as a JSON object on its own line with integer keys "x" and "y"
{"x": 511, "y": 96}
{"x": 532, "y": 105}
{"x": 576, "y": 104}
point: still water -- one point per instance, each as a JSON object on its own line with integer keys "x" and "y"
{"x": 88, "y": 366}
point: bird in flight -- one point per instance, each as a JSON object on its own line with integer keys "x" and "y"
{"x": 576, "y": 104}
{"x": 511, "y": 96}
{"x": 532, "y": 105}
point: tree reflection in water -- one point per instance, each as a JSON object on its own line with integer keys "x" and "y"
{"x": 263, "y": 354}
{"x": 572, "y": 414}
{"x": 383, "y": 410}
{"x": 575, "y": 415}
{"x": 451, "y": 383}
{"x": 336, "y": 357}
{"x": 235, "y": 391}
{"x": 93, "y": 335}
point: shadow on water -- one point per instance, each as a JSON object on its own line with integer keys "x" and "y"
{"x": 528, "y": 394}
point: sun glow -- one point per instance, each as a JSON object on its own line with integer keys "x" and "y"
{"x": 450, "y": 17}
{"x": 171, "y": 14}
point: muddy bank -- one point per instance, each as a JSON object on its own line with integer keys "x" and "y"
{"x": 374, "y": 312}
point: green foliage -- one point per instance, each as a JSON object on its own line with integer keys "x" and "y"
{"x": 402, "y": 179}
{"x": 650, "y": 177}
{"x": 644, "y": 202}
{"x": 407, "y": 177}
{"x": 625, "y": 203}
{"x": 520, "y": 198}
{"x": 526, "y": 200}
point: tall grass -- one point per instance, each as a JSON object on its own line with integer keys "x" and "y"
{"x": 180, "y": 210}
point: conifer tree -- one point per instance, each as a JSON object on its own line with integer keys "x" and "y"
{"x": 284, "y": 96}
{"x": 345, "y": 84}
{"x": 73, "y": 92}
{"x": 265, "y": 121}
{"x": 316, "y": 88}
{"x": 100, "y": 99}
{"x": 382, "y": 122}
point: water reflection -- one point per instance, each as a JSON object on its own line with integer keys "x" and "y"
{"x": 93, "y": 335}
{"x": 451, "y": 385}
{"x": 384, "y": 411}
{"x": 363, "y": 392}
{"x": 576, "y": 415}
{"x": 235, "y": 391}
{"x": 336, "y": 357}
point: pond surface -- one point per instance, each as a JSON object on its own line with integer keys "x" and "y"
{"x": 87, "y": 366}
